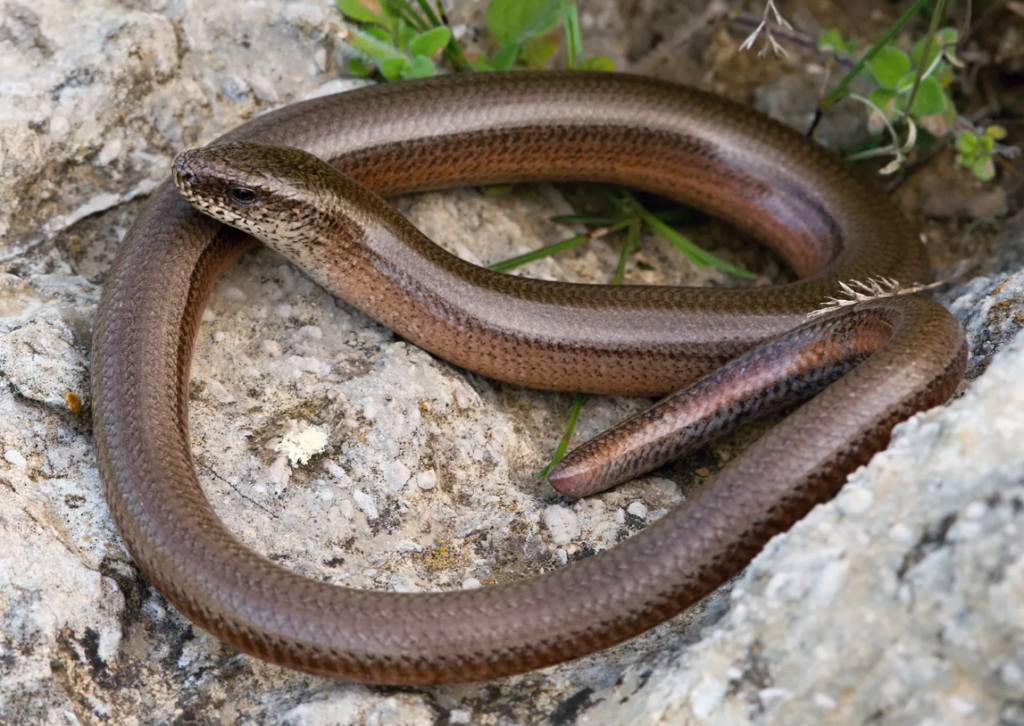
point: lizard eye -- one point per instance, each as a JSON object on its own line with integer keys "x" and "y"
{"x": 242, "y": 196}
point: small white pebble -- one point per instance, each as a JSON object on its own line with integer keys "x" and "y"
{"x": 209, "y": 316}
{"x": 460, "y": 716}
{"x": 219, "y": 337}
{"x": 365, "y": 503}
{"x": 461, "y": 398}
{"x": 264, "y": 89}
{"x": 284, "y": 310}
{"x": 961, "y": 705}
{"x": 471, "y": 583}
{"x": 271, "y": 348}
{"x": 975, "y": 510}
{"x": 733, "y": 674}
{"x": 313, "y": 332}
{"x": 1012, "y": 675}
{"x": 562, "y": 556}
{"x": 396, "y": 474}
{"x": 562, "y": 523}
{"x": 110, "y": 151}
{"x": 637, "y": 509}
{"x": 620, "y": 516}
{"x": 855, "y": 500}
{"x": 824, "y": 701}
{"x": 218, "y": 391}
{"x": 426, "y": 480}
{"x": 233, "y": 294}
{"x": 900, "y": 532}
{"x": 347, "y": 509}
{"x": 12, "y": 456}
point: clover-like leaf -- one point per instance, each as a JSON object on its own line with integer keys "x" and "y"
{"x": 889, "y": 65}
{"x": 394, "y": 68}
{"x": 984, "y": 169}
{"x": 431, "y": 42}
{"x": 966, "y": 142}
{"x": 930, "y": 98}
{"x": 420, "y": 67}
{"x": 996, "y": 132}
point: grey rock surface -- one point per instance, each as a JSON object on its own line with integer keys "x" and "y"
{"x": 347, "y": 455}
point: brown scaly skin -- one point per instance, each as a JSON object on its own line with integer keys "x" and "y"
{"x": 487, "y": 128}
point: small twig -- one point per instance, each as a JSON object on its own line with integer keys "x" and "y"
{"x": 749, "y": 21}
{"x": 769, "y": 37}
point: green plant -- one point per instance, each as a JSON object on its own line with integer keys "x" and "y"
{"x": 404, "y": 41}
{"x": 914, "y": 89}
{"x": 977, "y": 151}
{"x": 399, "y": 41}
{"x": 895, "y": 72}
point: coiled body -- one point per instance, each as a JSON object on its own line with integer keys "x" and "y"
{"x": 638, "y": 340}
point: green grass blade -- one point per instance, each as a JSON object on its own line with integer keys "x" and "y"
{"x": 696, "y": 254}
{"x": 563, "y": 443}
{"x": 547, "y": 251}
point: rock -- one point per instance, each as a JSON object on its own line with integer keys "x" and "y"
{"x": 310, "y": 423}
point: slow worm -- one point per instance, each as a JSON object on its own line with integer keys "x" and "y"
{"x": 899, "y": 354}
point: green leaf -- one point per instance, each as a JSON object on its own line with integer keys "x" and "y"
{"x": 944, "y": 37}
{"x": 421, "y": 67}
{"x": 889, "y": 65}
{"x": 483, "y": 63}
{"x": 536, "y": 52}
{"x": 504, "y": 58}
{"x": 984, "y": 169}
{"x": 987, "y": 143}
{"x": 996, "y": 132}
{"x": 360, "y": 13}
{"x": 930, "y": 98}
{"x": 359, "y": 67}
{"x": 966, "y": 142}
{"x": 831, "y": 40}
{"x": 514, "y": 21}
{"x": 394, "y": 68}
{"x": 431, "y": 42}
{"x": 885, "y": 99}
{"x": 597, "y": 63}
